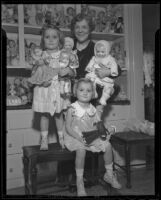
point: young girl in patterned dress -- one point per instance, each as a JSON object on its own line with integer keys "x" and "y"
{"x": 82, "y": 117}
{"x": 47, "y": 99}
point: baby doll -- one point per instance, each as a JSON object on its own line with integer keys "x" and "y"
{"x": 68, "y": 57}
{"x": 39, "y": 17}
{"x": 68, "y": 46}
{"x": 102, "y": 59}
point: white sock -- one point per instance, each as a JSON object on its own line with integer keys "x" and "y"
{"x": 79, "y": 172}
{"x": 109, "y": 167}
{"x": 60, "y": 133}
{"x": 44, "y": 133}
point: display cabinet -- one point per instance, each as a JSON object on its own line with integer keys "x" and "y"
{"x": 119, "y": 23}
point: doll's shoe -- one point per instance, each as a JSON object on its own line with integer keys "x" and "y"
{"x": 102, "y": 101}
{"x": 80, "y": 187}
{"x": 111, "y": 178}
{"x": 44, "y": 144}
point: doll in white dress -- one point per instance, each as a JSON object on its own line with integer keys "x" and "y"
{"x": 103, "y": 59}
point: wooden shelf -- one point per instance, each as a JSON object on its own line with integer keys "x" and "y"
{"x": 33, "y": 30}
{"x": 10, "y": 28}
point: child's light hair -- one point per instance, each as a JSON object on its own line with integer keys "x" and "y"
{"x": 84, "y": 80}
{"x": 60, "y": 34}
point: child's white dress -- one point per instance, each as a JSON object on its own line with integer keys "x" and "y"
{"x": 84, "y": 120}
{"x": 48, "y": 99}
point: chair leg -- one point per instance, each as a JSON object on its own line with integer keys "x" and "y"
{"x": 127, "y": 163}
{"x": 26, "y": 174}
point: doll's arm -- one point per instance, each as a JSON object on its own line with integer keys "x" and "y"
{"x": 68, "y": 123}
{"x": 114, "y": 67}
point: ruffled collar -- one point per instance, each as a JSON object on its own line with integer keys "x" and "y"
{"x": 54, "y": 55}
{"x": 80, "y": 111}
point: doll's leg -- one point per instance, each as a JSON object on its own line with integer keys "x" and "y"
{"x": 59, "y": 120}
{"x": 110, "y": 176}
{"x": 79, "y": 167}
{"x": 67, "y": 87}
{"x": 62, "y": 83}
{"x": 44, "y": 124}
{"x": 106, "y": 93}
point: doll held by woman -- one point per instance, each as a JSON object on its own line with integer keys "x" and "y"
{"x": 102, "y": 60}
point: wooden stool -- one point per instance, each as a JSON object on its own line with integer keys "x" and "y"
{"x": 128, "y": 139}
{"x": 33, "y": 156}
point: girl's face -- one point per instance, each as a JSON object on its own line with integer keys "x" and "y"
{"x": 82, "y": 31}
{"x": 84, "y": 92}
{"x": 51, "y": 39}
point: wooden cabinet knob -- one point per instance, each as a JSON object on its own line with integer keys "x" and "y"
{"x": 11, "y": 170}
{"x": 10, "y": 145}
{"x": 113, "y": 114}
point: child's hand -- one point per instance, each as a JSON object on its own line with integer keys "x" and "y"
{"x": 61, "y": 141}
{"x": 46, "y": 84}
{"x": 63, "y": 71}
{"x": 102, "y": 72}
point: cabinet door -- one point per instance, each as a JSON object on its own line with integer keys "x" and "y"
{"x": 14, "y": 141}
{"x": 18, "y": 119}
{"x": 14, "y": 166}
{"x": 31, "y": 137}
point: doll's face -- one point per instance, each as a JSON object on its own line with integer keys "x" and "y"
{"x": 38, "y": 51}
{"x": 64, "y": 59}
{"x": 100, "y": 51}
{"x": 12, "y": 43}
{"x": 68, "y": 46}
{"x": 70, "y": 11}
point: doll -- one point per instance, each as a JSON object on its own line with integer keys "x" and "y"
{"x": 10, "y": 13}
{"x": 102, "y": 59}
{"x": 70, "y": 15}
{"x": 68, "y": 46}
{"x": 42, "y": 70}
{"x": 39, "y": 14}
{"x": 65, "y": 83}
{"x": 13, "y": 52}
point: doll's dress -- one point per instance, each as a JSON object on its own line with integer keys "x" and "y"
{"x": 84, "y": 120}
{"x": 48, "y": 99}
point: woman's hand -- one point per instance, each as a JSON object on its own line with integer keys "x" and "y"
{"x": 66, "y": 71}
{"x": 103, "y": 72}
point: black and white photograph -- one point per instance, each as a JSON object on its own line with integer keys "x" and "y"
{"x": 88, "y": 129}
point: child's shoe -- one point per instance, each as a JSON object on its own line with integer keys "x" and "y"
{"x": 80, "y": 187}
{"x": 111, "y": 178}
{"x": 44, "y": 143}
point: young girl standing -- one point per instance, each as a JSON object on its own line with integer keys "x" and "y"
{"x": 47, "y": 99}
{"x": 81, "y": 117}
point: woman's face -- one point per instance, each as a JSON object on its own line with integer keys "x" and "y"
{"x": 82, "y": 31}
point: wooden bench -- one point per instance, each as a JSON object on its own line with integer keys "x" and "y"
{"x": 32, "y": 156}
{"x": 128, "y": 139}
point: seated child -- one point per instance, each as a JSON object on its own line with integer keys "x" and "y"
{"x": 102, "y": 59}
{"x": 81, "y": 118}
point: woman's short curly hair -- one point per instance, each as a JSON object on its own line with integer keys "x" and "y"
{"x": 83, "y": 80}
{"x": 60, "y": 34}
{"x": 80, "y": 17}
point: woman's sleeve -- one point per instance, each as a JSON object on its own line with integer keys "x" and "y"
{"x": 89, "y": 67}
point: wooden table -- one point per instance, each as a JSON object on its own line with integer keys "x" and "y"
{"x": 128, "y": 139}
